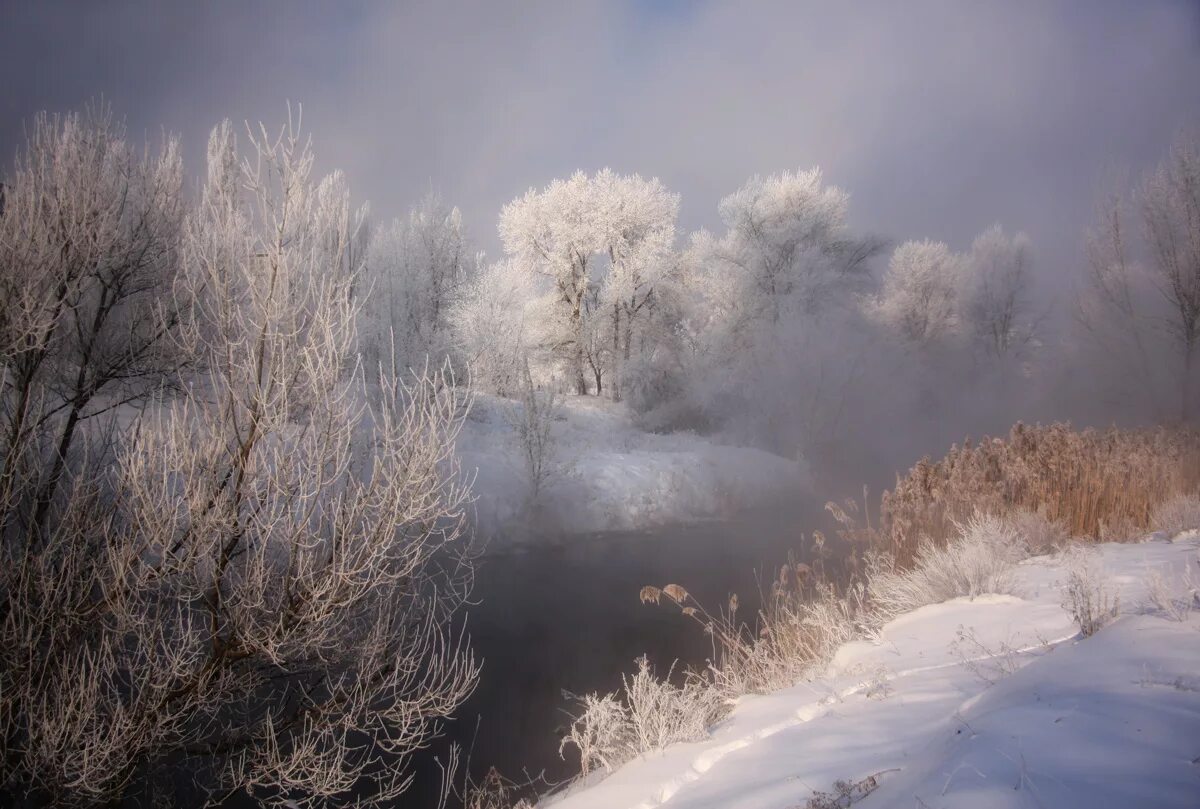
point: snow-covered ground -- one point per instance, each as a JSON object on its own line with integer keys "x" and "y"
{"x": 613, "y": 476}
{"x": 995, "y": 702}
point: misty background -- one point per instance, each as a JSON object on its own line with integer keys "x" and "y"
{"x": 939, "y": 118}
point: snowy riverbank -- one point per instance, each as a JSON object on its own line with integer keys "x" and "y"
{"x": 992, "y": 702}
{"x": 613, "y": 476}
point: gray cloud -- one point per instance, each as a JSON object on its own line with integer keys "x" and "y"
{"x": 939, "y": 118}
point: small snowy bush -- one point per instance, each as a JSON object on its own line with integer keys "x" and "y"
{"x": 661, "y": 713}
{"x": 1181, "y": 513}
{"x": 1174, "y": 603}
{"x": 979, "y": 561}
{"x": 649, "y": 714}
{"x": 1039, "y": 534}
{"x": 1087, "y": 595}
{"x": 493, "y": 792}
{"x": 599, "y": 732}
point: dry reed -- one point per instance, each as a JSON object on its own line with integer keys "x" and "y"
{"x": 1099, "y": 484}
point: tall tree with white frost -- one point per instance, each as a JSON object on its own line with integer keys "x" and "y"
{"x": 757, "y": 304}
{"x": 999, "y": 300}
{"x": 554, "y": 233}
{"x": 638, "y": 217}
{"x": 922, "y": 292}
{"x": 786, "y": 248}
{"x": 592, "y": 235}
{"x": 256, "y": 594}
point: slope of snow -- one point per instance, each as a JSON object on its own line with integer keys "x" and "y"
{"x": 995, "y": 702}
{"x": 613, "y": 476}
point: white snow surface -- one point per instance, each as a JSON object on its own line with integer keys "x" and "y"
{"x": 1025, "y": 713}
{"x": 614, "y": 476}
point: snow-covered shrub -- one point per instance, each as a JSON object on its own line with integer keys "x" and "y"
{"x": 1087, "y": 595}
{"x": 661, "y": 713}
{"x": 979, "y": 561}
{"x": 988, "y": 663}
{"x": 600, "y": 732}
{"x": 1174, "y": 603}
{"x": 647, "y": 715}
{"x": 1039, "y": 534}
{"x": 1180, "y": 513}
{"x": 844, "y": 794}
{"x": 652, "y": 381}
{"x": 800, "y": 628}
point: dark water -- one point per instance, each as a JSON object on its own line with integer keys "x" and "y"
{"x": 566, "y": 616}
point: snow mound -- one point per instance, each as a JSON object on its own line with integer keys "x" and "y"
{"x": 615, "y": 477}
{"x": 986, "y": 703}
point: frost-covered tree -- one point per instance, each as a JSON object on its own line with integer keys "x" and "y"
{"x": 555, "y": 233}
{"x": 601, "y": 242}
{"x": 785, "y": 250}
{"x": 255, "y": 596}
{"x": 922, "y": 292}
{"x": 492, "y": 326}
{"x": 1142, "y": 300}
{"x": 758, "y": 307}
{"x": 999, "y": 300}
{"x": 416, "y": 269}
{"x": 638, "y": 217}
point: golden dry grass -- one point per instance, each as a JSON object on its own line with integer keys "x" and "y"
{"x": 1099, "y": 484}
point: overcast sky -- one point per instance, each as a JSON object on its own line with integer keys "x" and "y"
{"x": 938, "y": 118}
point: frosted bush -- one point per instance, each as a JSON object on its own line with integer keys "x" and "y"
{"x": 1087, "y": 594}
{"x": 647, "y": 715}
{"x": 661, "y": 713}
{"x": 1173, "y": 603}
{"x": 1039, "y": 534}
{"x": 600, "y": 733}
{"x": 1180, "y": 513}
{"x": 979, "y": 561}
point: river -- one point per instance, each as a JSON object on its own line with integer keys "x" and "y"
{"x": 564, "y": 615}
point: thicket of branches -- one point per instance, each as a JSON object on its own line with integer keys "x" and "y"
{"x": 230, "y": 554}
